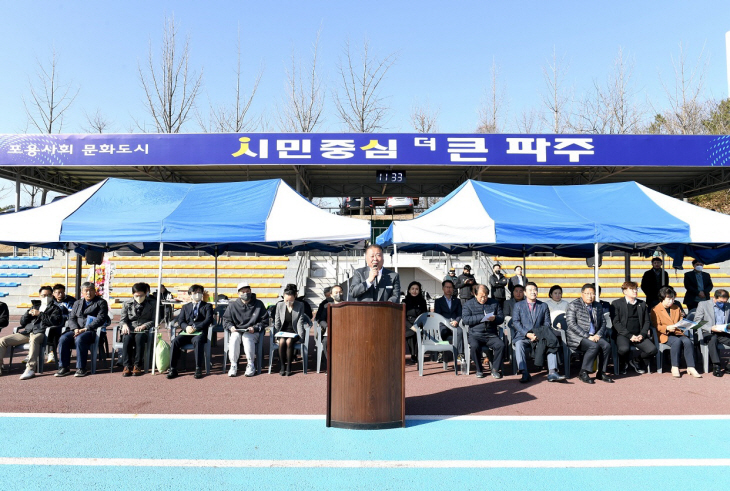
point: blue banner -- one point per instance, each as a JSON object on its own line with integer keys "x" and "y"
{"x": 381, "y": 149}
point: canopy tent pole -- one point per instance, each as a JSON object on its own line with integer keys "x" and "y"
{"x": 157, "y": 307}
{"x": 395, "y": 249}
{"x": 215, "y": 300}
{"x": 662, "y": 280}
{"x": 524, "y": 262}
{"x": 79, "y": 258}
{"x": 66, "y": 284}
{"x": 627, "y": 266}
{"x": 17, "y": 204}
{"x": 595, "y": 271}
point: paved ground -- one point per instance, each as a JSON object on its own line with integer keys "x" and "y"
{"x": 148, "y": 432}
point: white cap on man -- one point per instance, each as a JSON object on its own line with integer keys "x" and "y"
{"x": 243, "y": 284}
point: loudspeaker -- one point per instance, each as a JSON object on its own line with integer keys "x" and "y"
{"x": 591, "y": 261}
{"x": 94, "y": 257}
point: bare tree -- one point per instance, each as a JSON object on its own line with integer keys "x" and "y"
{"x": 97, "y": 123}
{"x": 301, "y": 112}
{"x": 526, "y": 121}
{"x": 49, "y": 98}
{"x": 170, "y": 87}
{"x": 424, "y": 118}
{"x": 687, "y": 108}
{"x": 611, "y": 109}
{"x": 228, "y": 118}
{"x": 359, "y": 103}
{"x": 556, "y": 98}
{"x": 493, "y": 108}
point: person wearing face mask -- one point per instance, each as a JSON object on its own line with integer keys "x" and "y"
{"x": 289, "y": 323}
{"x": 697, "y": 284}
{"x": 717, "y": 314}
{"x": 81, "y": 334}
{"x": 653, "y": 280}
{"x": 138, "y": 317}
{"x": 194, "y": 319}
{"x": 66, "y": 304}
{"x": 33, "y": 325}
{"x": 243, "y": 319}
{"x": 665, "y": 316}
{"x": 335, "y": 298}
{"x": 373, "y": 283}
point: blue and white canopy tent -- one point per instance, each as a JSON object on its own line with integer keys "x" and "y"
{"x": 259, "y": 216}
{"x": 573, "y": 221}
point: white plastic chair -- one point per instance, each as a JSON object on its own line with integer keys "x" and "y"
{"x": 259, "y": 349}
{"x": 467, "y": 350}
{"x": 318, "y": 344}
{"x": 428, "y": 335}
{"x": 148, "y": 349}
{"x": 26, "y": 347}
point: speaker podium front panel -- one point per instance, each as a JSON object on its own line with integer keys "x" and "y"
{"x": 366, "y": 365}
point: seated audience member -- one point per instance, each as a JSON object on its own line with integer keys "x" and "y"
{"x": 631, "y": 324}
{"x": 290, "y": 322}
{"x": 138, "y": 317}
{"x": 33, "y": 325}
{"x": 415, "y": 306}
{"x": 518, "y": 295}
{"x": 243, "y": 318}
{"x": 82, "y": 331}
{"x": 336, "y": 297}
{"x": 194, "y": 319}
{"x": 4, "y": 315}
{"x": 450, "y": 308}
{"x": 66, "y": 303}
{"x": 555, "y": 302}
{"x": 517, "y": 279}
{"x": 483, "y": 316}
{"x": 665, "y": 316}
{"x": 586, "y": 331}
{"x": 717, "y": 314}
{"x": 532, "y": 325}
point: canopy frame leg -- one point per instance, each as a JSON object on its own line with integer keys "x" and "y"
{"x": 157, "y": 305}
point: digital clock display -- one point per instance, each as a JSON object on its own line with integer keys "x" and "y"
{"x": 390, "y": 176}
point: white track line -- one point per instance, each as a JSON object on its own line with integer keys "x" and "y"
{"x": 641, "y": 417}
{"x": 369, "y": 464}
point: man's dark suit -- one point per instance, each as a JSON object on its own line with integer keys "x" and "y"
{"x": 387, "y": 290}
{"x": 441, "y": 307}
{"x": 690, "y": 284}
{"x": 650, "y": 286}
{"x": 620, "y": 311}
{"x": 578, "y": 317}
{"x": 200, "y": 323}
{"x": 706, "y": 311}
{"x": 537, "y": 322}
{"x": 484, "y": 334}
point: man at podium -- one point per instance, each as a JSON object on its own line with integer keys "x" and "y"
{"x": 373, "y": 283}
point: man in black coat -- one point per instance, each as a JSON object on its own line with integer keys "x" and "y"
{"x": 194, "y": 319}
{"x": 698, "y": 285}
{"x": 33, "y": 325}
{"x": 652, "y": 281}
{"x": 631, "y": 323}
{"x": 464, "y": 284}
{"x": 483, "y": 316}
{"x": 498, "y": 283}
{"x": 82, "y": 330}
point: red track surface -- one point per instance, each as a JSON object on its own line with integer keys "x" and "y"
{"x": 436, "y": 393}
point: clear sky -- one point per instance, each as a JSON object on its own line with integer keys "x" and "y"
{"x": 445, "y": 50}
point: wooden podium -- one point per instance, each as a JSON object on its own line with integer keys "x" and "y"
{"x": 366, "y": 365}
